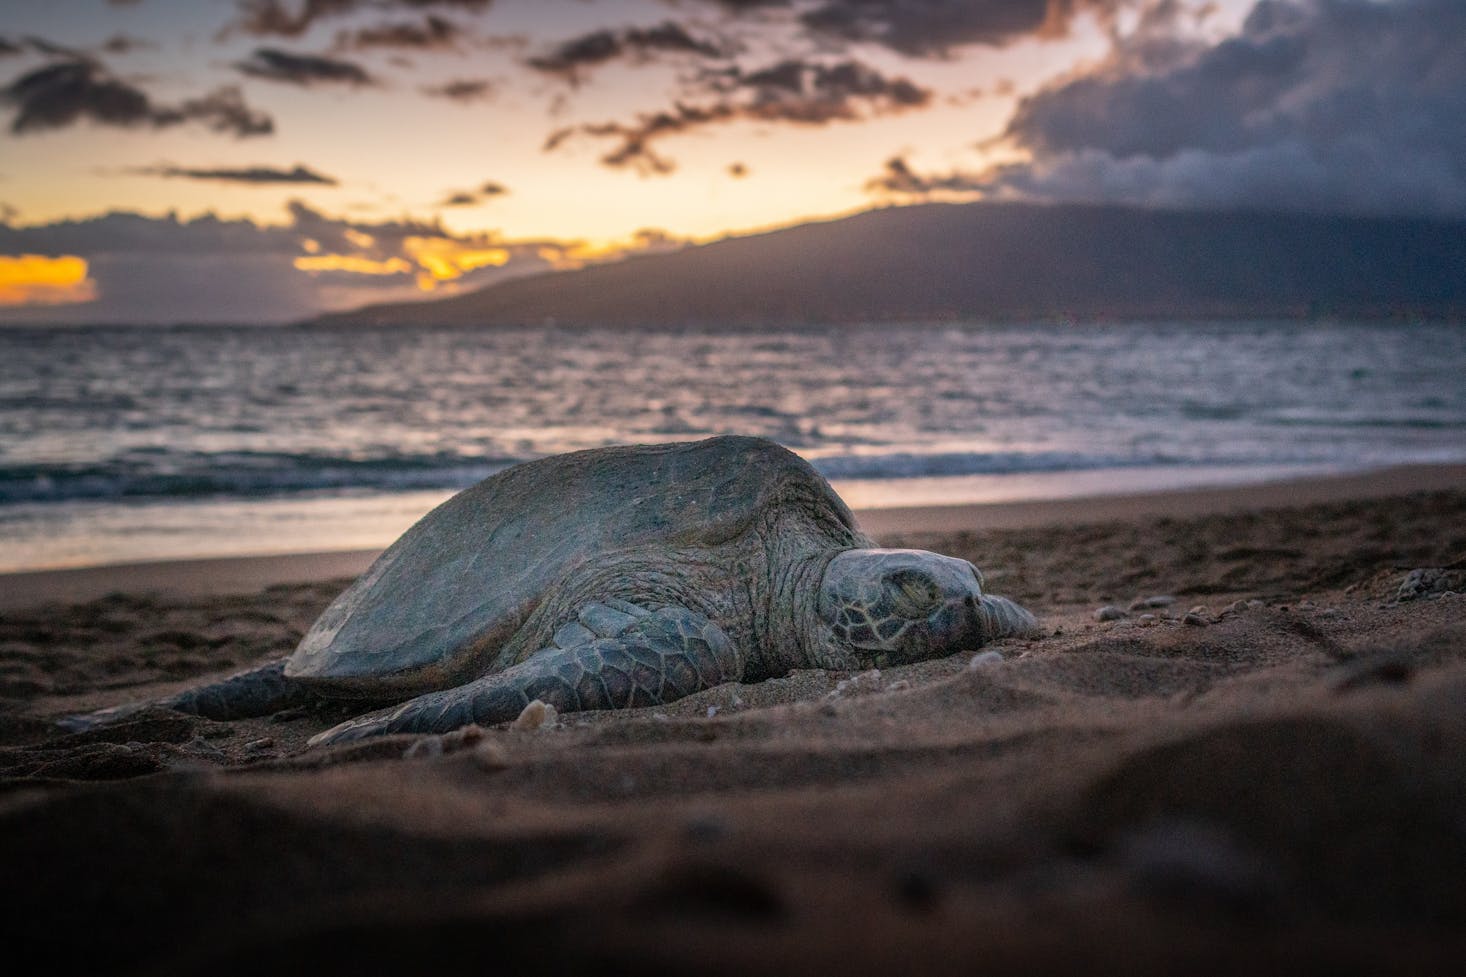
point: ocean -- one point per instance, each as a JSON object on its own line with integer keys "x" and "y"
{"x": 127, "y": 444}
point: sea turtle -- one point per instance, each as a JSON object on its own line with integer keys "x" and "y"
{"x": 613, "y": 578}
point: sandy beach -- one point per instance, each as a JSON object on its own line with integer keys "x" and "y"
{"x": 1263, "y": 772}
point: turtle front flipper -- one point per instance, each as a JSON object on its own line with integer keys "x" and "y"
{"x": 646, "y": 660}
{"x": 257, "y": 692}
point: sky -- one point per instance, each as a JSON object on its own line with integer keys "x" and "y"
{"x": 264, "y": 160}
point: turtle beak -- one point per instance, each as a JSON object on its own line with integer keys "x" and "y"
{"x": 1001, "y": 618}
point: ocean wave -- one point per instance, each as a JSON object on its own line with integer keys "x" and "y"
{"x": 160, "y": 474}
{"x": 142, "y": 475}
{"x": 906, "y": 464}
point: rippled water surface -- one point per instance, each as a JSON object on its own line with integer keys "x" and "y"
{"x": 125, "y": 443}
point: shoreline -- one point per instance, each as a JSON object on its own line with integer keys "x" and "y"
{"x": 213, "y": 576}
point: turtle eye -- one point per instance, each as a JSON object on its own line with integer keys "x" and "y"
{"x": 913, "y": 593}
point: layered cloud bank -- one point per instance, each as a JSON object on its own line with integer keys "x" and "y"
{"x": 126, "y": 267}
{"x": 1335, "y": 105}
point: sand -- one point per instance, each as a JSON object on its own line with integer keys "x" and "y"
{"x": 1277, "y": 786}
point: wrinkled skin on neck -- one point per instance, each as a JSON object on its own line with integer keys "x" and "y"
{"x": 879, "y": 608}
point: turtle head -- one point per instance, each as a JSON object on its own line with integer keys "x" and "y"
{"x": 891, "y": 607}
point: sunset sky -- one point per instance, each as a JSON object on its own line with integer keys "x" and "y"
{"x": 260, "y": 160}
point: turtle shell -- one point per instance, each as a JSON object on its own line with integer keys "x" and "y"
{"x": 460, "y": 583}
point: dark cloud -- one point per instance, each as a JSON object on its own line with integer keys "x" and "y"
{"x": 737, "y": 170}
{"x": 472, "y": 6}
{"x": 656, "y": 240}
{"x": 463, "y": 90}
{"x": 899, "y": 179}
{"x": 928, "y": 28}
{"x": 264, "y": 18}
{"x": 129, "y": 232}
{"x": 429, "y": 33}
{"x": 58, "y": 95}
{"x": 273, "y": 64}
{"x": 247, "y": 174}
{"x": 333, "y": 233}
{"x": 571, "y": 58}
{"x": 932, "y": 27}
{"x": 468, "y": 198}
{"x": 801, "y": 91}
{"x": 64, "y": 93}
{"x": 116, "y": 44}
{"x": 1331, "y": 105}
{"x": 634, "y": 148}
{"x": 223, "y": 110}
{"x": 742, "y": 6}
{"x": 121, "y": 231}
{"x": 125, "y": 44}
{"x": 792, "y": 91}
{"x": 53, "y": 50}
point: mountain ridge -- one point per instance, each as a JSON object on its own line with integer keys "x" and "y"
{"x": 998, "y": 261}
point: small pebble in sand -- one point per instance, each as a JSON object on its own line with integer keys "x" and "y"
{"x": 1306, "y": 605}
{"x": 712, "y": 711}
{"x": 1158, "y": 600}
{"x": 536, "y": 715}
{"x": 1146, "y": 620}
{"x": 1255, "y": 603}
{"x": 199, "y": 746}
{"x": 1431, "y": 582}
{"x": 1201, "y": 609}
{"x": 1109, "y": 613}
{"x": 1195, "y": 620}
{"x": 263, "y": 743}
{"x": 489, "y": 755}
{"x": 458, "y": 739}
{"x": 900, "y": 685}
{"x": 1236, "y": 607}
{"x": 985, "y": 658}
{"x": 464, "y": 736}
{"x": 868, "y": 681}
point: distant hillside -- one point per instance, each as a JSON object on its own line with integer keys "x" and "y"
{"x": 1003, "y": 261}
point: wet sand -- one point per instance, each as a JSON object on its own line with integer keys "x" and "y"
{"x": 1269, "y": 774}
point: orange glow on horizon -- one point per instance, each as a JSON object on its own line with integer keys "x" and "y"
{"x": 356, "y": 264}
{"x": 443, "y": 259}
{"x": 35, "y": 279}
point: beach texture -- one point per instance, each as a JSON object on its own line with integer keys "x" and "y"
{"x": 1266, "y": 773}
